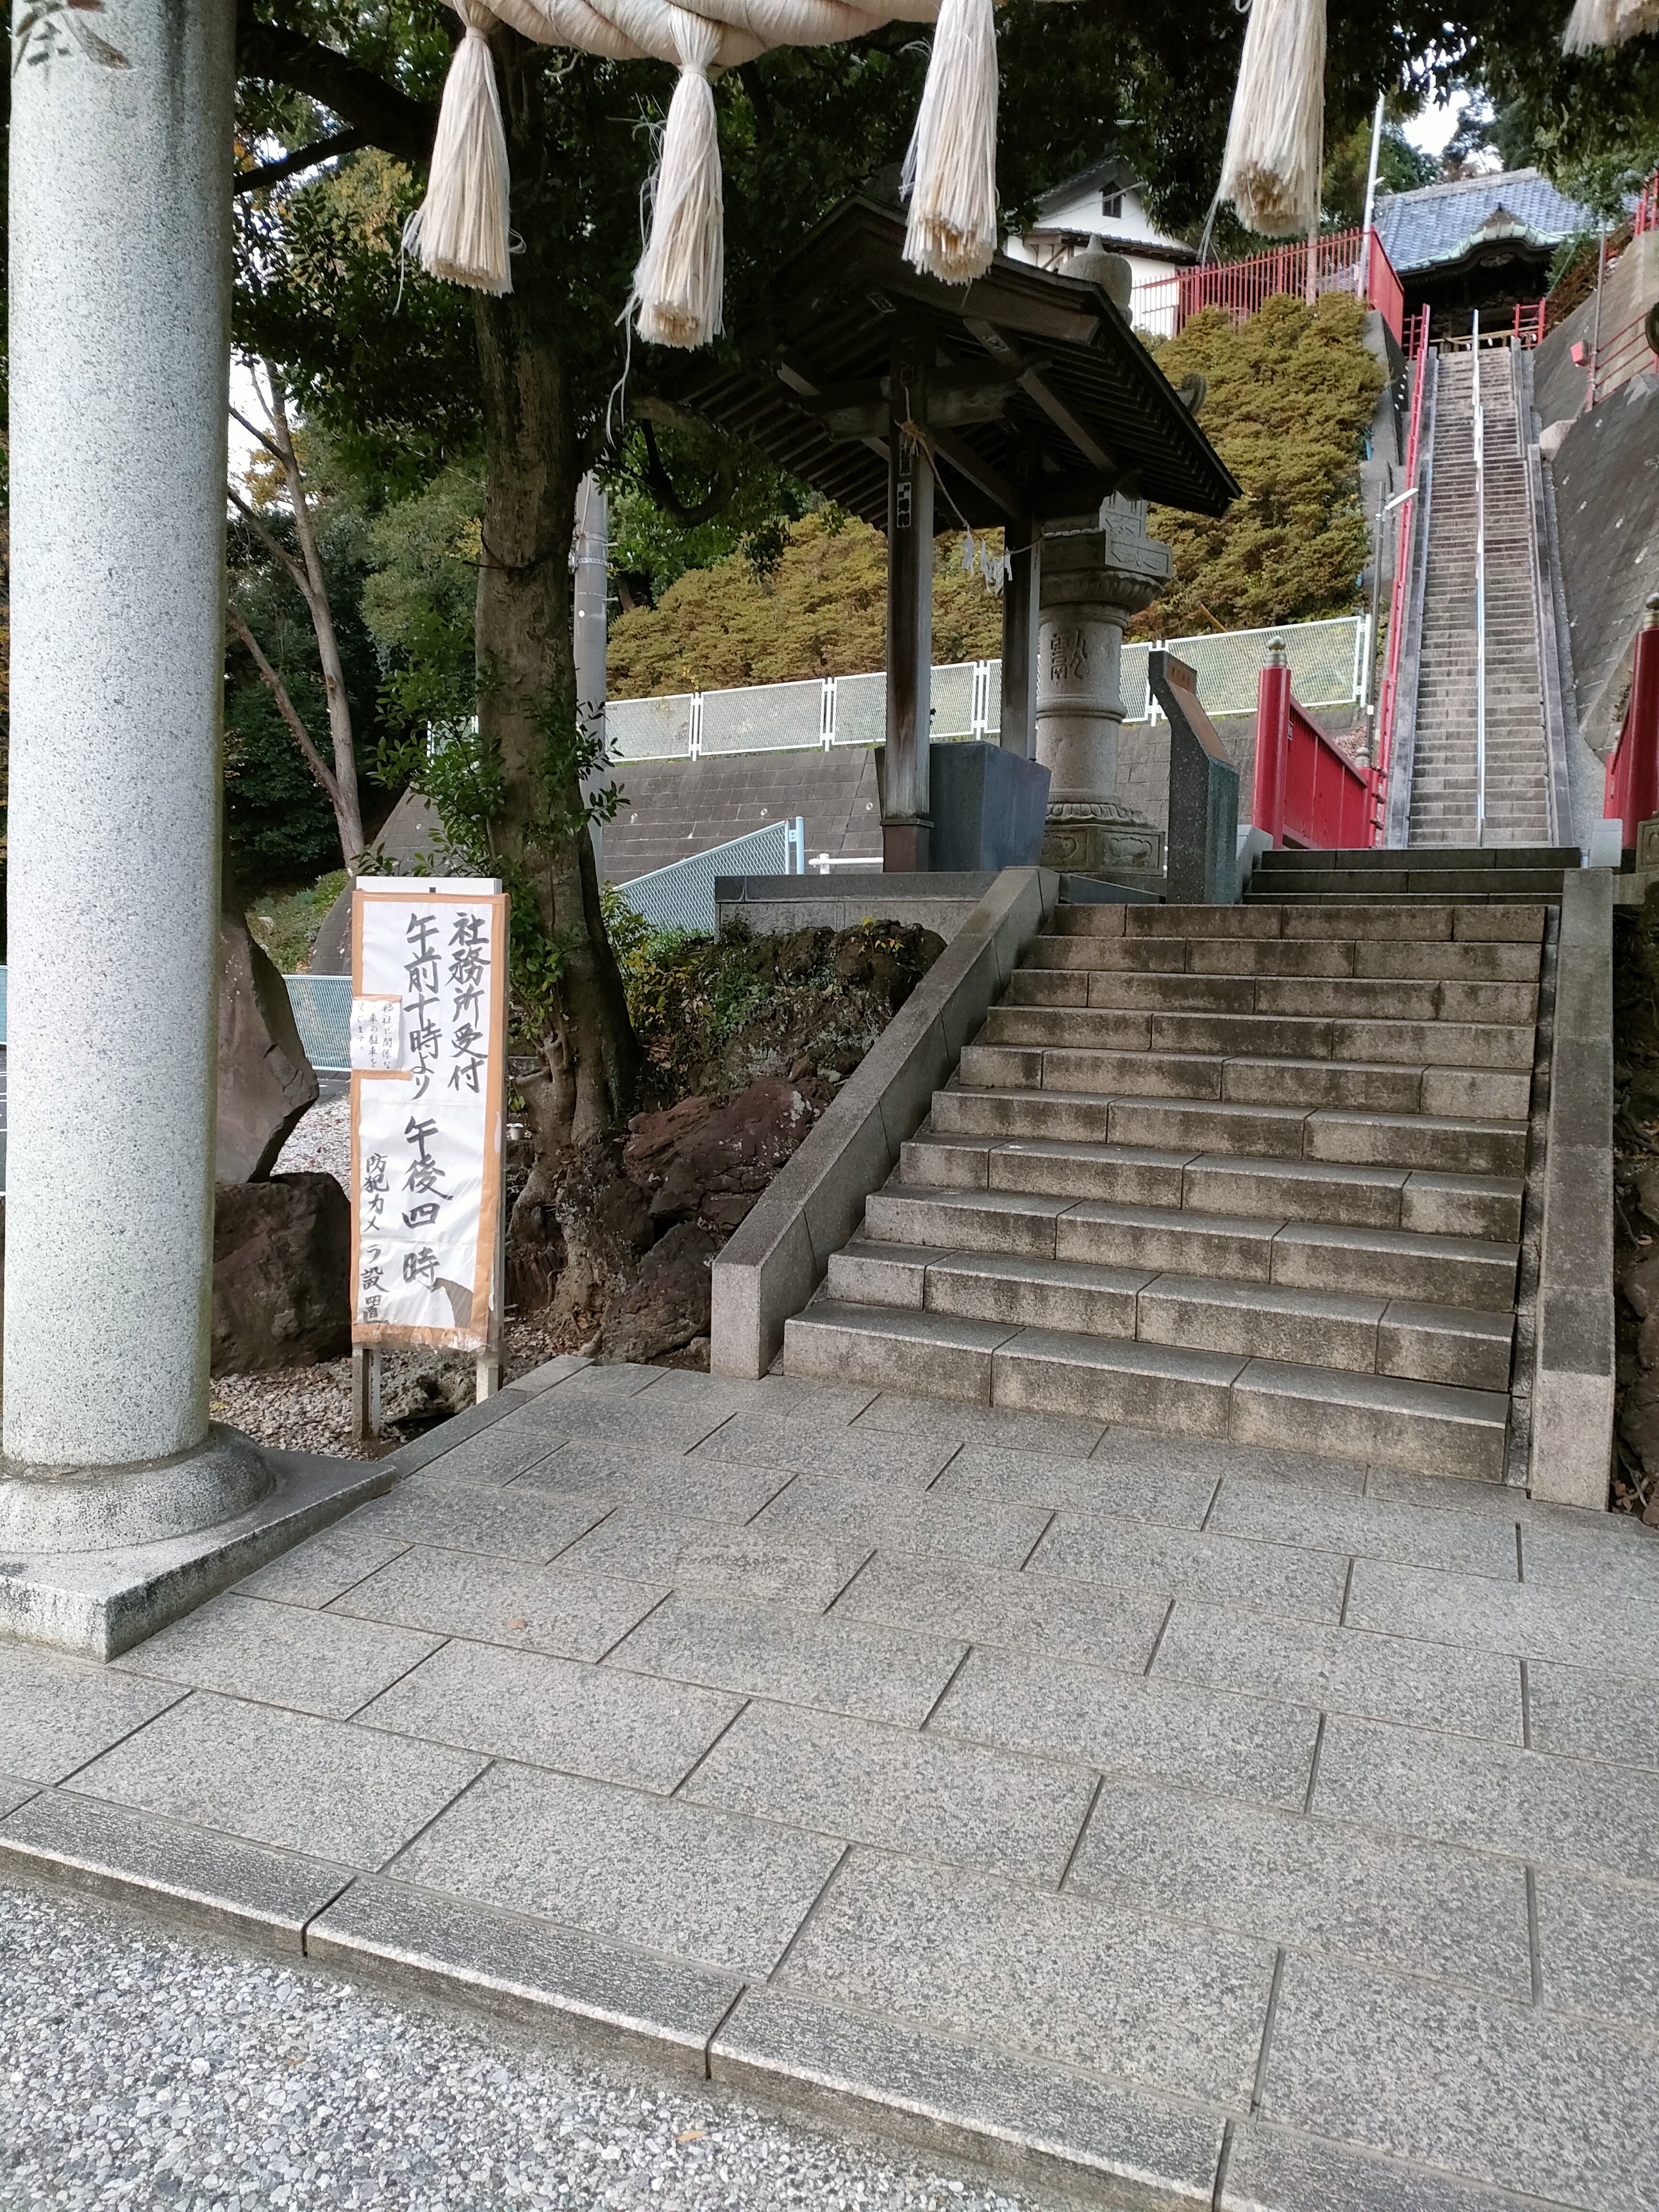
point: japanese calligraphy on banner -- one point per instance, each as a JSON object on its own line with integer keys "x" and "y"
{"x": 429, "y": 1041}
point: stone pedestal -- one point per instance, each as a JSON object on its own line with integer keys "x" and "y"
{"x": 1098, "y": 572}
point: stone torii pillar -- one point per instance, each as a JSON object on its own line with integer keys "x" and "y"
{"x": 120, "y": 168}
{"x": 1098, "y": 572}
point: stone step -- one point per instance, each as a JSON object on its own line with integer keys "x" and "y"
{"x": 1210, "y": 1038}
{"x": 1383, "y": 915}
{"x": 1368, "y": 1335}
{"x": 1448, "y": 1143}
{"x": 1423, "y": 959}
{"x": 1510, "y": 883}
{"x": 1426, "y": 1426}
{"x": 1289, "y": 1189}
{"x": 1164, "y": 996}
{"x": 1381, "y": 857}
{"x": 1350, "y": 1258}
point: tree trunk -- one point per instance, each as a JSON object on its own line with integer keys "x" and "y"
{"x": 526, "y": 695}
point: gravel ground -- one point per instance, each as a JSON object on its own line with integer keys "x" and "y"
{"x": 321, "y": 1143}
{"x": 142, "y": 2069}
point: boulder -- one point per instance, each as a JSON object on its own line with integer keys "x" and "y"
{"x": 266, "y": 1080}
{"x": 668, "y": 1306}
{"x": 282, "y": 1264}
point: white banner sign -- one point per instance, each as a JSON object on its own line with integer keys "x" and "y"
{"x": 428, "y": 1091}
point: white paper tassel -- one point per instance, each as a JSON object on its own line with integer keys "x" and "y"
{"x": 459, "y": 229}
{"x": 1596, "y": 23}
{"x": 681, "y": 277}
{"x": 1275, "y": 142}
{"x": 951, "y": 171}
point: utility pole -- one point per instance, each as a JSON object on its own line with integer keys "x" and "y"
{"x": 1364, "y": 285}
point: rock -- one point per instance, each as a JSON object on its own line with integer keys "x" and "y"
{"x": 1646, "y": 1187}
{"x": 266, "y": 1080}
{"x": 1640, "y": 1286}
{"x": 728, "y": 1150}
{"x": 1647, "y": 1342}
{"x": 1553, "y": 436}
{"x": 444, "y": 1383}
{"x": 281, "y": 1262}
{"x": 668, "y": 1306}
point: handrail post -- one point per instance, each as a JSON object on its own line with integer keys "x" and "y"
{"x": 1638, "y": 751}
{"x": 1273, "y": 745}
{"x": 1479, "y": 432}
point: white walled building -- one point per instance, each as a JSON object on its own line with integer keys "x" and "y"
{"x": 1103, "y": 206}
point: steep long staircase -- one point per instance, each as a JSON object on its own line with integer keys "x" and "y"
{"x": 1444, "y": 770}
{"x": 1249, "y": 1171}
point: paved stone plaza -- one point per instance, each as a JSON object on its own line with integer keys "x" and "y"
{"x": 1171, "y": 1822}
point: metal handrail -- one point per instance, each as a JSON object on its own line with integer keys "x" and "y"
{"x": 1480, "y": 594}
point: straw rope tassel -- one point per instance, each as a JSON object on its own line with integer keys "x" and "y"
{"x": 1271, "y": 172}
{"x": 459, "y": 229}
{"x": 1596, "y": 23}
{"x": 681, "y": 277}
{"x": 951, "y": 171}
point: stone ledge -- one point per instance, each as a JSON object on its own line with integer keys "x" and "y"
{"x": 1572, "y": 1395}
{"x": 112, "y": 1851}
{"x": 100, "y": 1604}
{"x": 530, "y": 1970}
{"x": 778, "y": 1257}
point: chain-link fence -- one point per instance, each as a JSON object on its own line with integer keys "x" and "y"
{"x": 1326, "y": 659}
{"x": 322, "y": 1014}
{"x": 682, "y": 895}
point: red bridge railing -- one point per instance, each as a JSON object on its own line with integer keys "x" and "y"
{"x": 1632, "y": 784}
{"x": 1307, "y": 790}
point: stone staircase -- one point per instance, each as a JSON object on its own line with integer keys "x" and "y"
{"x": 1442, "y": 797}
{"x": 1253, "y": 1172}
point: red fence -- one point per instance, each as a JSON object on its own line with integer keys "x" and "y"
{"x": 1348, "y": 261}
{"x": 1632, "y": 785}
{"x": 1306, "y": 791}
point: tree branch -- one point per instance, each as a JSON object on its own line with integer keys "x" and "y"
{"x": 272, "y": 172}
{"x": 292, "y": 568}
{"x": 661, "y": 487}
{"x": 378, "y": 111}
{"x": 286, "y": 709}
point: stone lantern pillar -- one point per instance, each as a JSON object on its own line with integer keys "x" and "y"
{"x": 1098, "y": 572}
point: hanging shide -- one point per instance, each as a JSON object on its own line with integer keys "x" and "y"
{"x": 950, "y": 170}
{"x": 1275, "y": 142}
{"x": 1596, "y": 23}
{"x": 680, "y": 280}
{"x": 460, "y": 231}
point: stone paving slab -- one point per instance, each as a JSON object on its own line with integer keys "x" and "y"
{"x": 244, "y": 1888}
{"x": 1166, "y": 1822}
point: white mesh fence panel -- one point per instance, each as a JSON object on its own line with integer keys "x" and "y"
{"x": 649, "y": 729}
{"x": 682, "y": 895}
{"x": 860, "y": 709}
{"x": 763, "y": 718}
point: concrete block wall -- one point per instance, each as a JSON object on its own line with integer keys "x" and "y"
{"x": 673, "y": 808}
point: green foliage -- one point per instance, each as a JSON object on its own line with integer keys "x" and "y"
{"x": 821, "y": 610}
{"x": 701, "y": 497}
{"x": 419, "y": 598}
{"x": 1292, "y": 393}
{"x": 286, "y": 922}
{"x": 714, "y": 1012}
{"x": 281, "y": 828}
{"x": 1400, "y": 168}
{"x": 459, "y": 775}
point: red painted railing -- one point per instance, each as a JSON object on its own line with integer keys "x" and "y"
{"x": 1306, "y": 790}
{"x": 1647, "y": 207}
{"x": 1632, "y": 785}
{"x": 1167, "y": 303}
{"x": 1405, "y": 538}
{"x": 1529, "y": 322}
{"x": 1616, "y": 360}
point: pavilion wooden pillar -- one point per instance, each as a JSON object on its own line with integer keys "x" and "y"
{"x": 1017, "y": 731}
{"x": 907, "y": 820}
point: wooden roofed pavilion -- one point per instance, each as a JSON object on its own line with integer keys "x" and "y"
{"x": 1019, "y": 400}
